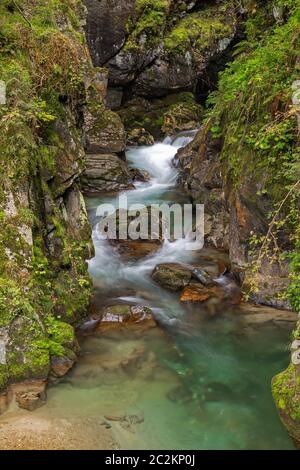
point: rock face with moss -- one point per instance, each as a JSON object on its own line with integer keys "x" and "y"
{"x": 53, "y": 113}
{"x": 244, "y": 166}
{"x": 155, "y": 48}
{"x": 158, "y": 46}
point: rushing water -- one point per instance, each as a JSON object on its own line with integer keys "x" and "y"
{"x": 189, "y": 384}
{"x": 208, "y": 383}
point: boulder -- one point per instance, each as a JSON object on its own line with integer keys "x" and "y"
{"x": 104, "y": 131}
{"x": 176, "y": 276}
{"x": 106, "y": 172}
{"x": 129, "y": 316}
{"x": 172, "y": 276}
{"x": 132, "y": 225}
{"x": 139, "y": 136}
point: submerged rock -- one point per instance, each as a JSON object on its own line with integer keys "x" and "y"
{"x": 116, "y": 316}
{"x": 218, "y": 391}
{"x": 256, "y": 315}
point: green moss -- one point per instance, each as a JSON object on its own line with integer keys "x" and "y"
{"x": 40, "y": 65}
{"x": 151, "y": 22}
{"x": 153, "y": 115}
{"x": 198, "y": 31}
{"x": 285, "y": 389}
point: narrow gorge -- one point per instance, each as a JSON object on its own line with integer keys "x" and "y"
{"x": 147, "y": 344}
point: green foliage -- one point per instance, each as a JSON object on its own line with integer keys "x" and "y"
{"x": 252, "y": 113}
{"x": 294, "y": 287}
{"x": 43, "y": 70}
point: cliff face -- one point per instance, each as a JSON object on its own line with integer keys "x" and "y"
{"x": 155, "y": 48}
{"x": 244, "y": 166}
{"x": 53, "y": 113}
{"x": 158, "y": 47}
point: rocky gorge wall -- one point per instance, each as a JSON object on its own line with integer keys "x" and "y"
{"x": 244, "y": 166}
{"x": 157, "y": 52}
{"x": 54, "y": 114}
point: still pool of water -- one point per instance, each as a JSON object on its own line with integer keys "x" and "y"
{"x": 205, "y": 388}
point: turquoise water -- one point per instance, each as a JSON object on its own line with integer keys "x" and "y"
{"x": 199, "y": 380}
{"x": 192, "y": 382}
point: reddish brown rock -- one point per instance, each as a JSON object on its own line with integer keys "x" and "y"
{"x": 196, "y": 292}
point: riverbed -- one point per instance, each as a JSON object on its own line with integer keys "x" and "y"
{"x": 191, "y": 382}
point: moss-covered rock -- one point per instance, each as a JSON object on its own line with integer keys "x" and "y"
{"x": 161, "y": 117}
{"x": 285, "y": 388}
{"x": 45, "y": 234}
{"x": 161, "y": 46}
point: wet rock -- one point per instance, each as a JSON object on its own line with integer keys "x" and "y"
{"x": 139, "y": 175}
{"x": 172, "y": 276}
{"x": 104, "y": 131}
{"x": 30, "y": 395}
{"x": 116, "y": 316}
{"x": 196, "y": 292}
{"x": 256, "y": 316}
{"x": 106, "y": 172}
{"x": 202, "y": 276}
{"x": 60, "y": 366}
{"x": 133, "y": 250}
{"x": 89, "y": 326}
{"x": 140, "y": 225}
{"x": 175, "y": 276}
{"x": 139, "y": 136}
